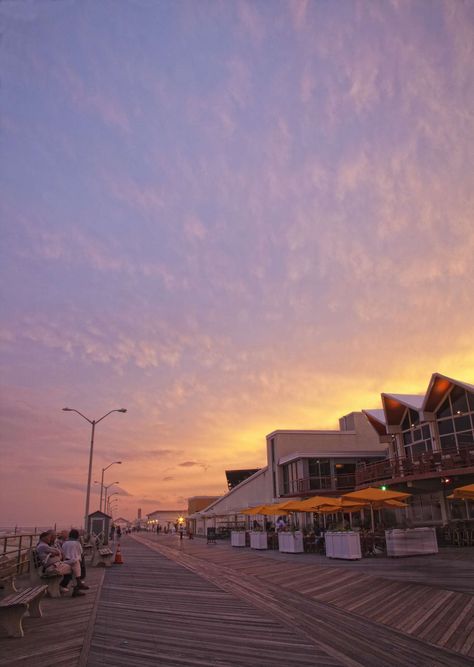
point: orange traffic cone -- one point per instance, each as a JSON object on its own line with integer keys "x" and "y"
{"x": 118, "y": 556}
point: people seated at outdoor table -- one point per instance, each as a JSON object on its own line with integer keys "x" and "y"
{"x": 51, "y": 558}
{"x": 281, "y": 523}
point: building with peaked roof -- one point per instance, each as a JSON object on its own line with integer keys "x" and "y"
{"x": 431, "y": 447}
{"x": 419, "y": 443}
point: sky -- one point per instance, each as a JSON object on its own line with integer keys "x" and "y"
{"x": 227, "y": 217}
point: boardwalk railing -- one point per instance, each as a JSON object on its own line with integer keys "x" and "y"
{"x": 429, "y": 464}
{"x": 15, "y": 548}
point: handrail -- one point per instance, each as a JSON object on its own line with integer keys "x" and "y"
{"x": 16, "y": 548}
{"x": 320, "y": 483}
{"x": 434, "y": 463}
{"x": 428, "y": 462}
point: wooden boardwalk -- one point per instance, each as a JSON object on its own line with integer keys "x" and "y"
{"x": 427, "y": 612}
{"x": 58, "y": 637}
{"x": 153, "y": 611}
{"x": 180, "y": 604}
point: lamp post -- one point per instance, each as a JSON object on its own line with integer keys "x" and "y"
{"x": 102, "y": 482}
{"x": 93, "y": 423}
{"x": 105, "y": 494}
{"x": 110, "y": 503}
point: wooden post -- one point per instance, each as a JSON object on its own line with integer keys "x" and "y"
{"x": 18, "y": 559}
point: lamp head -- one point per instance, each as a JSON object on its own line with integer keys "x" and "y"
{"x": 67, "y": 410}
{"x": 122, "y": 410}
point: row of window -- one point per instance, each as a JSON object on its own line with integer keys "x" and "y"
{"x": 455, "y": 419}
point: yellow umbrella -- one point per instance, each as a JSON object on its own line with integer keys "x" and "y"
{"x": 270, "y": 510}
{"x": 290, "y": 505}
{"x": 251, "y": 511}
{"x": 373, "y": 496}
{"x": 342, "y": 506}
{"x": 464, "y": 492}
{"x": 264, "y": 510}
{"x": 390, "y": 503}
{"x": 311, "y": 504}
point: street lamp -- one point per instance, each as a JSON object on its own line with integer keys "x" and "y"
{"x": 112, "y": 502}
{"x": 105, "y": 494}
{"x": 102, "y": 482}
{"x": 93, "y": 423}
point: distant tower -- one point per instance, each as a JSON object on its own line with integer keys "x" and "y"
{"x": 139, "y": 516}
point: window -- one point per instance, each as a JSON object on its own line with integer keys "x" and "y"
{"x": 416, "y": 436}
{"x": 319, "y": 471}
{"x": 456, "y": 420}
{"x": 290, "y": 477}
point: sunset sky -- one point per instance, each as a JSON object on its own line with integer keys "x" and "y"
{"x": 227, "y": 217}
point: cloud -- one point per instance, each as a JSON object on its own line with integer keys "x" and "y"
{"x": 169, "y": 478}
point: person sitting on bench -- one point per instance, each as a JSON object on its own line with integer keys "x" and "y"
{"x": 73, "y": 556}
{"x": 51, "y": 559}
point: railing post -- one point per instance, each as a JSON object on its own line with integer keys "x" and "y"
{"x": 18, "y": 560}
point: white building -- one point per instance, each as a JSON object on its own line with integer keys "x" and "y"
{"x": 299, "y": 463}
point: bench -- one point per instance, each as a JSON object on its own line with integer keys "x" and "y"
{"x": 8, "y": 573}
{"x": 15, "y": 606}
{"x": 37, "y": 576}
{"x": 102, "y": 556}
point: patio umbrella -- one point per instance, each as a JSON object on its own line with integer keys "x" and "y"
{"x": 290, "y": 505}
{"x": 372, "y": 496}
{"x": 251, "y": 511}
{"x": 464, "y": 492}
{"x": 311, "y": 504}
{"x": 273, "y": 510}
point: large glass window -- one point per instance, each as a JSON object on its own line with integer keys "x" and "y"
{"x": 290, "y": 477}
{"x": 319, "y": 471}
{"x": 416, "y": 436}
{"x": 455, "y": 418}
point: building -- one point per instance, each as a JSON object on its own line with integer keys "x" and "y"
{"x": 299, "y": 464}
{"x": 431, "y": 448}
{"x": 165, "y": 518}
{"x": 422, "y": 444}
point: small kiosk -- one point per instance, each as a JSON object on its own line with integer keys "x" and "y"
{"x": 98, "y": 527}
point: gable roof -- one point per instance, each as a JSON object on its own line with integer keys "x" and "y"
{"x": 395, "y": 405}
{"x": 377, "y": 420}
{"x": 438, "y": 387}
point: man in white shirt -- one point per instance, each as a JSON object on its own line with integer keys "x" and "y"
{"x": 73, "y": 556}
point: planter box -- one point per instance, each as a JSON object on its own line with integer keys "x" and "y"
{"x": 344, "y": 545}
{"x": 291, "y": 543}
{"x": 258, "y": 539}
{"x": 411, "y": 542}
{"x": 237, "y": 538}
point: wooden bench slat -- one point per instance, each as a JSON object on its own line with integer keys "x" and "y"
{"x": 24, "y": 597}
